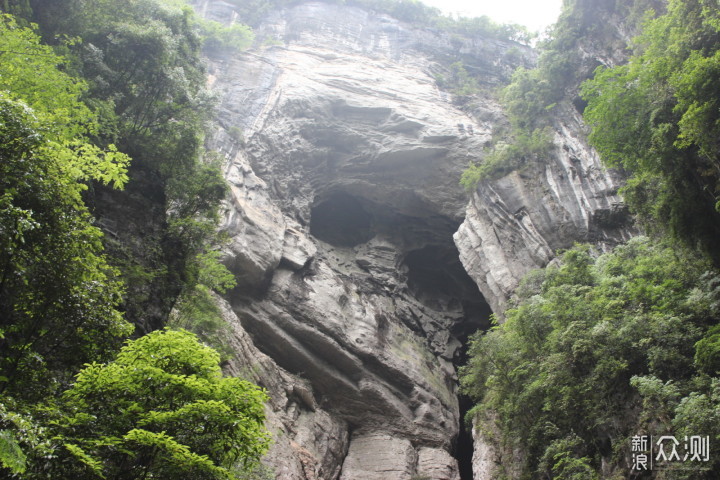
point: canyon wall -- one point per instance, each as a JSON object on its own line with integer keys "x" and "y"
{"x": 362, "y": 265}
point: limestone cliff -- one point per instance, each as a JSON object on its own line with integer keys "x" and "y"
{"x": 362, "y": 265}
{"x": 518, "y": 223}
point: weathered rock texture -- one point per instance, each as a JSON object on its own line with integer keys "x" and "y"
{"x": 353, "y": 300}
{"x": 518, "y": 223}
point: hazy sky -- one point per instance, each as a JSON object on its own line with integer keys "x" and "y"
{"x": 535, "y": 14}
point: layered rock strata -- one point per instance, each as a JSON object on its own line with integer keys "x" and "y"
{"x": 353, "y": 299}
{"x": 519, "y": 222}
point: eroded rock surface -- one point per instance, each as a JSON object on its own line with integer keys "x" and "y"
{"x": 353, "y": 299}
{"x": 519, "y": 222}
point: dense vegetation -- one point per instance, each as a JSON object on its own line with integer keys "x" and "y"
{"x": 658, "y": 117}
{"x": 533, "y": 96}
{"x": 601, "y": 348}
{"x": 98, "y": 97}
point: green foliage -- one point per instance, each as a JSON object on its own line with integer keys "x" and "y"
{"x": 164, "y": 404}
{"x": 141, "y": 62}
{"x": 145, "y": 89}
{"x": 460, "y": 82}
{"x": 58, "y": 296}
{"x": 707, "y": 352}
{"x": 11, "y": 456}
{"x": 236, "y": 133}
{"x": 197, "y": 310}
{"x": 20, "y": 434}
{"x": 234, "y": 37}
{"x": 161, "y": 409}
{"x": 145, "y": 59}
{"x": 596, "y": 350}
{"x": 530, "y": 99}
{"x": 657, "y": 117}
{"x": 33, "y": 73}
{"x": 19, "y": 8}
{"x": 506, "y": 157}
{"x": 194, "y": 199}
{"x": 533, "y": 94}
{"x": 561, "y": 460}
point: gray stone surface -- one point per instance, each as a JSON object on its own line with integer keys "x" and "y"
{"x": 519, "y": 222}
{"x": 353, "y": 297}
{"x": 308, "y": 442}
{"x": 436, "y": 464}
{"x": 379, "y": 457}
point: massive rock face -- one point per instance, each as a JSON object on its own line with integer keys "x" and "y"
{"x": 353, "y": 299}
{"x": 518, "y": 223}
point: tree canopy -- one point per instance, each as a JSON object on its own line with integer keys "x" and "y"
{"x": 598, "y": 350}
{"x": 161, "y": 409}
{"x": 126, "y": 75}
{"x": 58, "y": 296}
{"x": 658, "y": 116}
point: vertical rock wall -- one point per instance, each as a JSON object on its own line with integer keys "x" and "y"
{"x": 353, "y": 298}
{"x": 519, "y": 222}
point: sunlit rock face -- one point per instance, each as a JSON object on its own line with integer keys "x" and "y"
{"x": 353, "y": 297}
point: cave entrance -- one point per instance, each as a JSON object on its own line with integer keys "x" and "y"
{"x": 431, "y": 261}
{"x": 437, "y": 278}
{"x": 341, "y": 220}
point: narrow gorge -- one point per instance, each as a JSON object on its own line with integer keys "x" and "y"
{"x": 358, "y": 240}
{"x": 362, "y": 265}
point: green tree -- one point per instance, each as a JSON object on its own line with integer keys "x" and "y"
{"x": 235, "y": 37}
{"x": 160, "y": 409}
{"x": 58, "y": 296}
{"x": 596, "y": 350}
{"x": 145, "y": 85}
{"x": 197, "y": 309}
{"x": 521, "y": 150}
{"x": 34, "y": 73}
{"x": 657, "y": 117}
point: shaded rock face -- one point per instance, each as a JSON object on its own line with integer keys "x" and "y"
{"x": 353, "y": 298}
{"x": 518, "y": 223}
{"x": 134, "y": 222}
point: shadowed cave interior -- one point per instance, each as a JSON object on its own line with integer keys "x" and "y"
{"x": 435, "y": 275}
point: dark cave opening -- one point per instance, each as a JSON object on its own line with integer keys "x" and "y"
{"x": 437, "y": 278}
{"x": 435, "y": 275}
{"x": 464, "y": 446}
{"x": 341, "y": 221}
